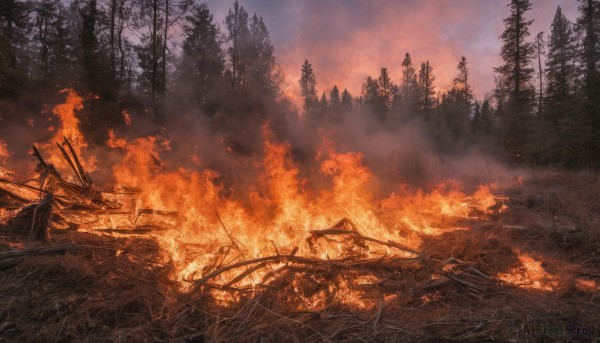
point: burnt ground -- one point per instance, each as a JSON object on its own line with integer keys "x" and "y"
{"x": 116, "y": 289}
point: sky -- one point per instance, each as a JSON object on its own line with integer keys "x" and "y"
{"x": 348, "y": 40}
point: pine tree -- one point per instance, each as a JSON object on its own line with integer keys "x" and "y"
{"x": 93, "y": 72}
{"x": 409, "y": 91}
{"x": 588, "y": 26}
{"x": 462, "y": 85}
{"x": 334, "y": 99}
{"x": 202, "y": 63}
{"x": 517, "y": 71}
{"x": 561, "y": 67}
{"x": 371, "y": 93}
{"x": 308, "y": 90}
{"x": 346, "y": 102}
{"x": 539, "y": 48}
{"x": 263, "y": 61}
{"x": 148, "y": 80}
{"x": 515, "y": 77}
{"x": 386, "y": 89}
{"x": 426, "y": 90}
{"x": 323, "y": 105}
{"x": 240, "y": 45}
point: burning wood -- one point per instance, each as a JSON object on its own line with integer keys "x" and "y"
{"x": 402, "y": 263}
{"x": 33, "y": 220}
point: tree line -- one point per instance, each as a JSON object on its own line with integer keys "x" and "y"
{"x": 159, "y": 57}
{"x": 552, "y": 118}
{"x": 123, "y": 51}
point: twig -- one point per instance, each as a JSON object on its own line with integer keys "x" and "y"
{"x": 230, "y": 238}
{"x": 61, "y": 327}
{"x": 295, "y": 321}
{"x": 70, "y": 162}
{"x": 337, "y": 231}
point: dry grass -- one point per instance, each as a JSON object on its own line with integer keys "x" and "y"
{"x": 97, "y": 295}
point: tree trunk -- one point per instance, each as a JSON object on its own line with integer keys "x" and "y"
{"x": 120, "y": 42}
{"x": 113, "y": 77}
{"x": 539, "y": 48}
{"x": 164, "y": 55}
{"x": 154, "y": 53}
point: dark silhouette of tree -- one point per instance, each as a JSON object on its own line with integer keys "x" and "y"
{"x": 263, "y": 62}
{"x": 334, "y": 99}
{"x": 240, "y": 45}
{"x": 323, "y": 106}
{"x": 515, "y": 77}
{"x": 539, "y": 48}
{"x": 462, "y": 85}
{"x": 427, "y": 98}
{"x": 454, "y": 110}
{"x": 308, "y": 90}
{"x": 150, "y": 63}
{"x": 371, "y": 94}
{"x": 202, "y": 63}
{"x": 94, "y": 74}
{"x": 386, "y": 88}
{"x": 14, "y": 27}
{"x": 561, "y": 64}
{"x": 410, "y": 88}
{"x": 346, "y": 102}
{"x": 557, "y": 142}
{"x": 589, "y": 25}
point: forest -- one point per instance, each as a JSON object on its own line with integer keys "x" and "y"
{"x": 164, "y": 176}
{"x": 156, "y": 58}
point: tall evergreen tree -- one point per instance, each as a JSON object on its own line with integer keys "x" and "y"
{"x": 559, "y": 121}
{"x": 202, "y": 63}
{"x": 409, "y": 91}
{"x": 264, "y": 59}
{"x": 515, "y": 77}
{"x": 371, "y": 93}
{"x": 588, "y": 26}
{"x": 93, "y": 69}
{"x": 323, "y": 105}
{"x": 346, "y": 102}
{"x": 240, "y": 45}
{"x": 386, "y": 88}
{"x": 334, "y": 99}
{"x": 539, "y": 48}
{"x": 308, "y": 88}
{"x": 561, "y": 64}
{"x": 427, "y": 98}
{"x": 462, "y": 85}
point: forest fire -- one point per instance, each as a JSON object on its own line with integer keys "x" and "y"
{"x": 188, "y": 215}
{"x": 356, "y": 171}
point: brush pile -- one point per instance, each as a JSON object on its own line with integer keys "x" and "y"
{"x": 504, "y": 277}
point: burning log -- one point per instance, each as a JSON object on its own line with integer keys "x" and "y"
{"x": 34, "y": 219}
{"x": 82, "y": 194}
{"x": 347, "y": 227}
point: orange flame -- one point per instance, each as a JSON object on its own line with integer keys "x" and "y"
{"x": 69, "y": 129}
{"x": 530, "y": 275}
{"x": 281, "y": 209}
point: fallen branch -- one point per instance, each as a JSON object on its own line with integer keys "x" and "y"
{"x": 10, "y": 258}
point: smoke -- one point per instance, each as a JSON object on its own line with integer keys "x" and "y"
{"x": 398, "y": 152}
